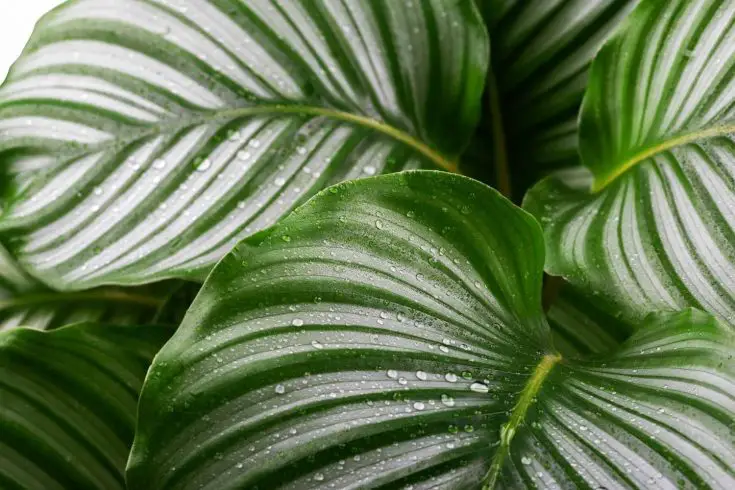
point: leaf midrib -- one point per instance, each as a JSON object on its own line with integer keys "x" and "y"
{"x": 448, "y": 164}
{"x": 661, "y": 147}
{"x": 518, "y": 416}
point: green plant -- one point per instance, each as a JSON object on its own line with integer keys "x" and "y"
{"x": 391, "y": 331}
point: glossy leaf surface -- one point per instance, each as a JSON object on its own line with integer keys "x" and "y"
{"x": 26, "y": 303}
{"x": 389, "y": 333}
{"x": 651, "y": 225}
{"x": 142, "y": 139}
{"x": 541, "y": 53}
{"x": 68, "y": 404}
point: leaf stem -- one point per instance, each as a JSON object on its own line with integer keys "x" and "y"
{"x": 116, "y": 295}
{"x": 517, "y": 416}
{"x": 500, "y": 152}
{"x": 684, "y": 139}
{"x": 445, "y": 163}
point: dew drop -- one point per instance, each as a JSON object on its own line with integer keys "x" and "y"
{"x": 279, "y": 182}
{"x": 379, "y": 224}
{"x": 419, "y": 406}
{"x": 421, "y": 375}
{"x": 280, "y": 389}
{"x": 159, "y": 163}
{"x": 369, "y": 170}
{"x": 319, "y": 477}
{"x": 447, "y": 400}
{"x": 526, "y": 460}
{"x": 297, "y": 322}
{"x": 204, "y": 165}
{"x": 451, "y": 377}
{"x": 478, "y": 387}
{"x": 316, "y": 344}
{"x": 392, "y": 373}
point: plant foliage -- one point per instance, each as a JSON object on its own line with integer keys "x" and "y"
{"x": 237, "y": 254}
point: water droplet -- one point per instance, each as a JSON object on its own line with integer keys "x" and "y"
{"x": 421, "y": 375}
{"x": 369, "y": 170}
{"x": 159, "y": 163}
{"x": 379, "y": 224}
{"x": 297, "y": 322}
{"x": 98, "y": 191}
{"x": 316, "y": 344}
{"x": 243, "y": 155}
{"x": 301, "y": 150}
{"x": 286, "y": 238}
{"x": 280, "y": 389}
{"x": 479, "y": 387}
{"x": 419, "y": 406}
{"x": 444, "y": 348}
{"x": 279, "y": 182}
{"x": 319, "y": 477}
{"x": 402, "y": 381}
{"x": 583, "y": 428}
{"x": 451, "y": 377}
{"x": 447, "y": 400}
{"x": 392, "y": 373}
{"x": 410, "y": 214}
{"x": 254, "y": 143}
{"x": 204, "y": 165}
{"x": 526, "y": 460}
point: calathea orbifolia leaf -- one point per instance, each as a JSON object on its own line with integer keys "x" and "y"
{"x": 143, "y": 139}
{"x": 26, "y": 303}
{"x": 650, "y": 224}
{"x": 389, "y": 334}
{"x": 541, "y": 52}
{"x": 68, "y": 404}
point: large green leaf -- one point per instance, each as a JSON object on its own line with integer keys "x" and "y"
{"x": 651, "y": 223}
{"x": 389, "y": 334}
{"x": 142, "y": 139}
{"x": 68, "y": 404}
{"x": 541, "y": 52}
{"x": 26, "y": 303}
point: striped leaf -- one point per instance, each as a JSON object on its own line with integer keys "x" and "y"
{"x": 68, "y": 406}
{"x": 26, "y": 303}
{"x": 541, "y": 52}
{"x": 389, "y": 334}
{"x": 141, "y": 139}
{"x": 650, "y": 223}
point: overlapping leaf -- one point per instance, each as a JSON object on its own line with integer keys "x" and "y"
{"x": 142, "y": 139}
{"x": 541, "y": 52}
{"x": 389, "y": 334}
{"x": 651, "y": 225}
{"x": 68, "y": 404}
{"x": 26, "y": 303}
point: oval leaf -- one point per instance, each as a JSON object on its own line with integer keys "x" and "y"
{"x": 653, "y": 225}
{"x": 69, "y": 404}
{"x": 389, "y": 333}
{"x": 143, "y": 139}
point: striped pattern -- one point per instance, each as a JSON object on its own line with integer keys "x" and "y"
{"x": 541, "y": 53}
{"x": 656, "y": 415}
{"x": 69, "y": 404}
{"x": 658, "y": 134}
{"x": 372, "y": 338}
{"x": 145, "y": 138}
{"x": 26, "y": 303}
{"x": 389, "y": 334}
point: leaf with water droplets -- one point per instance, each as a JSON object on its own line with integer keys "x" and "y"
{"x": 649, "y": 224}
{"x": 405, "y": 373}
{"x": 141, "y": 140}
